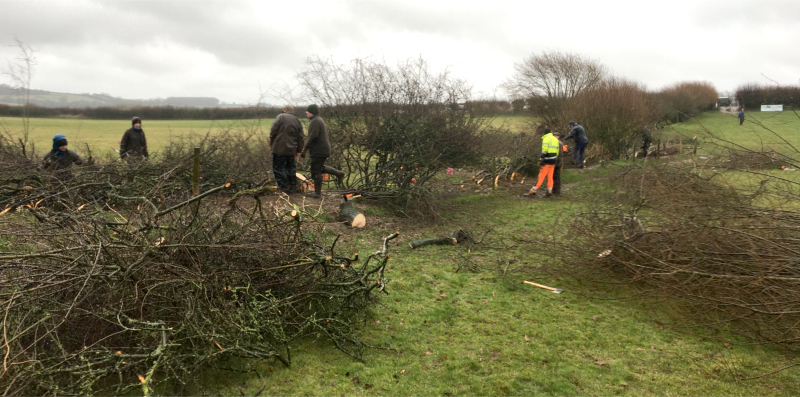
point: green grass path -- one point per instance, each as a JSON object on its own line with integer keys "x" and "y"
{"x": 477, "y": 334}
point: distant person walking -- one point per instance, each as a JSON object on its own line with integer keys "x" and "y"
{"x": 61, "y": 158}
{"x": 547, "y": 162}
{"x": 286, "y": 140}
{"x": 581, "y": 140}
{"x": 318, "y": 147}
{"x": 133, "y": 146}
{"x": 741, "y": 116}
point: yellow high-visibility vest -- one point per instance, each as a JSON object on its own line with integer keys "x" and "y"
{"x": 550, "y": 144}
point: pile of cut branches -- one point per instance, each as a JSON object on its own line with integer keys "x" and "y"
{"x": 674, "y": 233}
{"x": 107, "y": 289}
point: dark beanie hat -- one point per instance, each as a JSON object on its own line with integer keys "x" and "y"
{"x": 313, "y": 109}
{"x": 135, "y": 120}
{"x": 572, "y": 123}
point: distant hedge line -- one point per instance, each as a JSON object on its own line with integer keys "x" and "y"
{"x": 752, "y": 96}
{"x": 146, "y": 112}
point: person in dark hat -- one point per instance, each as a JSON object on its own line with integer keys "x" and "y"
{"x": 581, "y": 140}
{"x": 61, "y": 158}
{"x": 133, "y": 146}
{"x": 318, "y": 147}
{"x": 286, "y": 140}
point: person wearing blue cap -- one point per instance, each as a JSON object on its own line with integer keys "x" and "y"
{"x": 61, "y": 158}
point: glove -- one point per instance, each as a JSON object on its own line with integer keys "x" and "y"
{"x": 296, "y": 155}
{"x": 270, "y": 142}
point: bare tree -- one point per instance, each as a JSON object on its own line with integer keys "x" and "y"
{"x": 393, "y": 127}
{"x": 548, "y": 79}
{"x": 20, "y": 70}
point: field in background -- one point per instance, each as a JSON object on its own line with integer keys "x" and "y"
{"x": 102, "y": 135}
{"x": 751, "y": 134}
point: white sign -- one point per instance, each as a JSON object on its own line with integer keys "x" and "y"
{"x": 771, "y": 108}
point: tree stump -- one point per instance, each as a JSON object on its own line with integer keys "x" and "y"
{"x": 351, "y": 216}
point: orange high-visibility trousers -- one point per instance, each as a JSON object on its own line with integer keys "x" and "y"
{"x": 546, "y": 170}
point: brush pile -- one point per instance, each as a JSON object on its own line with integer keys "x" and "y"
{"x": 673, "y": 233}
{"x": 112, "y": 284}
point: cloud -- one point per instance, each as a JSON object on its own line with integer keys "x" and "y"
{"x": 228, "y": 49}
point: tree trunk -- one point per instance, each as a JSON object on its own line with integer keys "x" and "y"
{"x": 351, "y": 216}
{"x": 433, "y": 241}
{"x": 455, "y": 237}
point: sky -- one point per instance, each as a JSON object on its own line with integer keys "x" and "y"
{"x": 244, "y": 51}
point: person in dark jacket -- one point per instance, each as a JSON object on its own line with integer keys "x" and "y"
{"x": 318, "y": 147}
{"x": 741, "y": 116}
{"x": 559, "y": 165}
{"x": 61, "y": 158}
{"x": 647, "y": 139}
{"x": 286, "y": 140}
{"x": 133, "y": 146}
{"x": 581, "y": 140}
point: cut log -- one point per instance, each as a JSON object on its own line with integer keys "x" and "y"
{"x": 351, "y": 216}
{"x": 296, "y": 215}
{"x": 455, "y": 237}
{"x": 433, "y": 241}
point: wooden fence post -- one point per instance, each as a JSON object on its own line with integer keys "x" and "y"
{"x": 196, "y": 173}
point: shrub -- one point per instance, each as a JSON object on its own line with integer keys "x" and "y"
{"x": 613, "y": 114}
{"x": 683, "y": 100}
{"x": 394, "y": 127}
{"x": 752, "y": 96}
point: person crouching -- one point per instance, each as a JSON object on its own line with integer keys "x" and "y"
{"x": 61, "y": 158}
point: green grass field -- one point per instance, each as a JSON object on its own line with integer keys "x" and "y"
{"x": 103, "y": 135}
{"x": 761, "y": 130}
{"x": 464, "y": 333}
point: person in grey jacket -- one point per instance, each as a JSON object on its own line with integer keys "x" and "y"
{"x": 581, "y": 140}
{"x": 133, "y": 146}
{"x": 318, "y": 146}
{"x": 286, "y": 140}
{"x": 61, "y": 158}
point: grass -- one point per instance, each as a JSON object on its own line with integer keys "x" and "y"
{"x": 461, "y": 333}
{"x": 102, "y": 135}
{"x": 752, "y": 134}
{"x": 515, "y": 123}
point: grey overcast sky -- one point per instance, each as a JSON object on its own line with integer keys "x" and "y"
{"x": 234, "y": 50}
